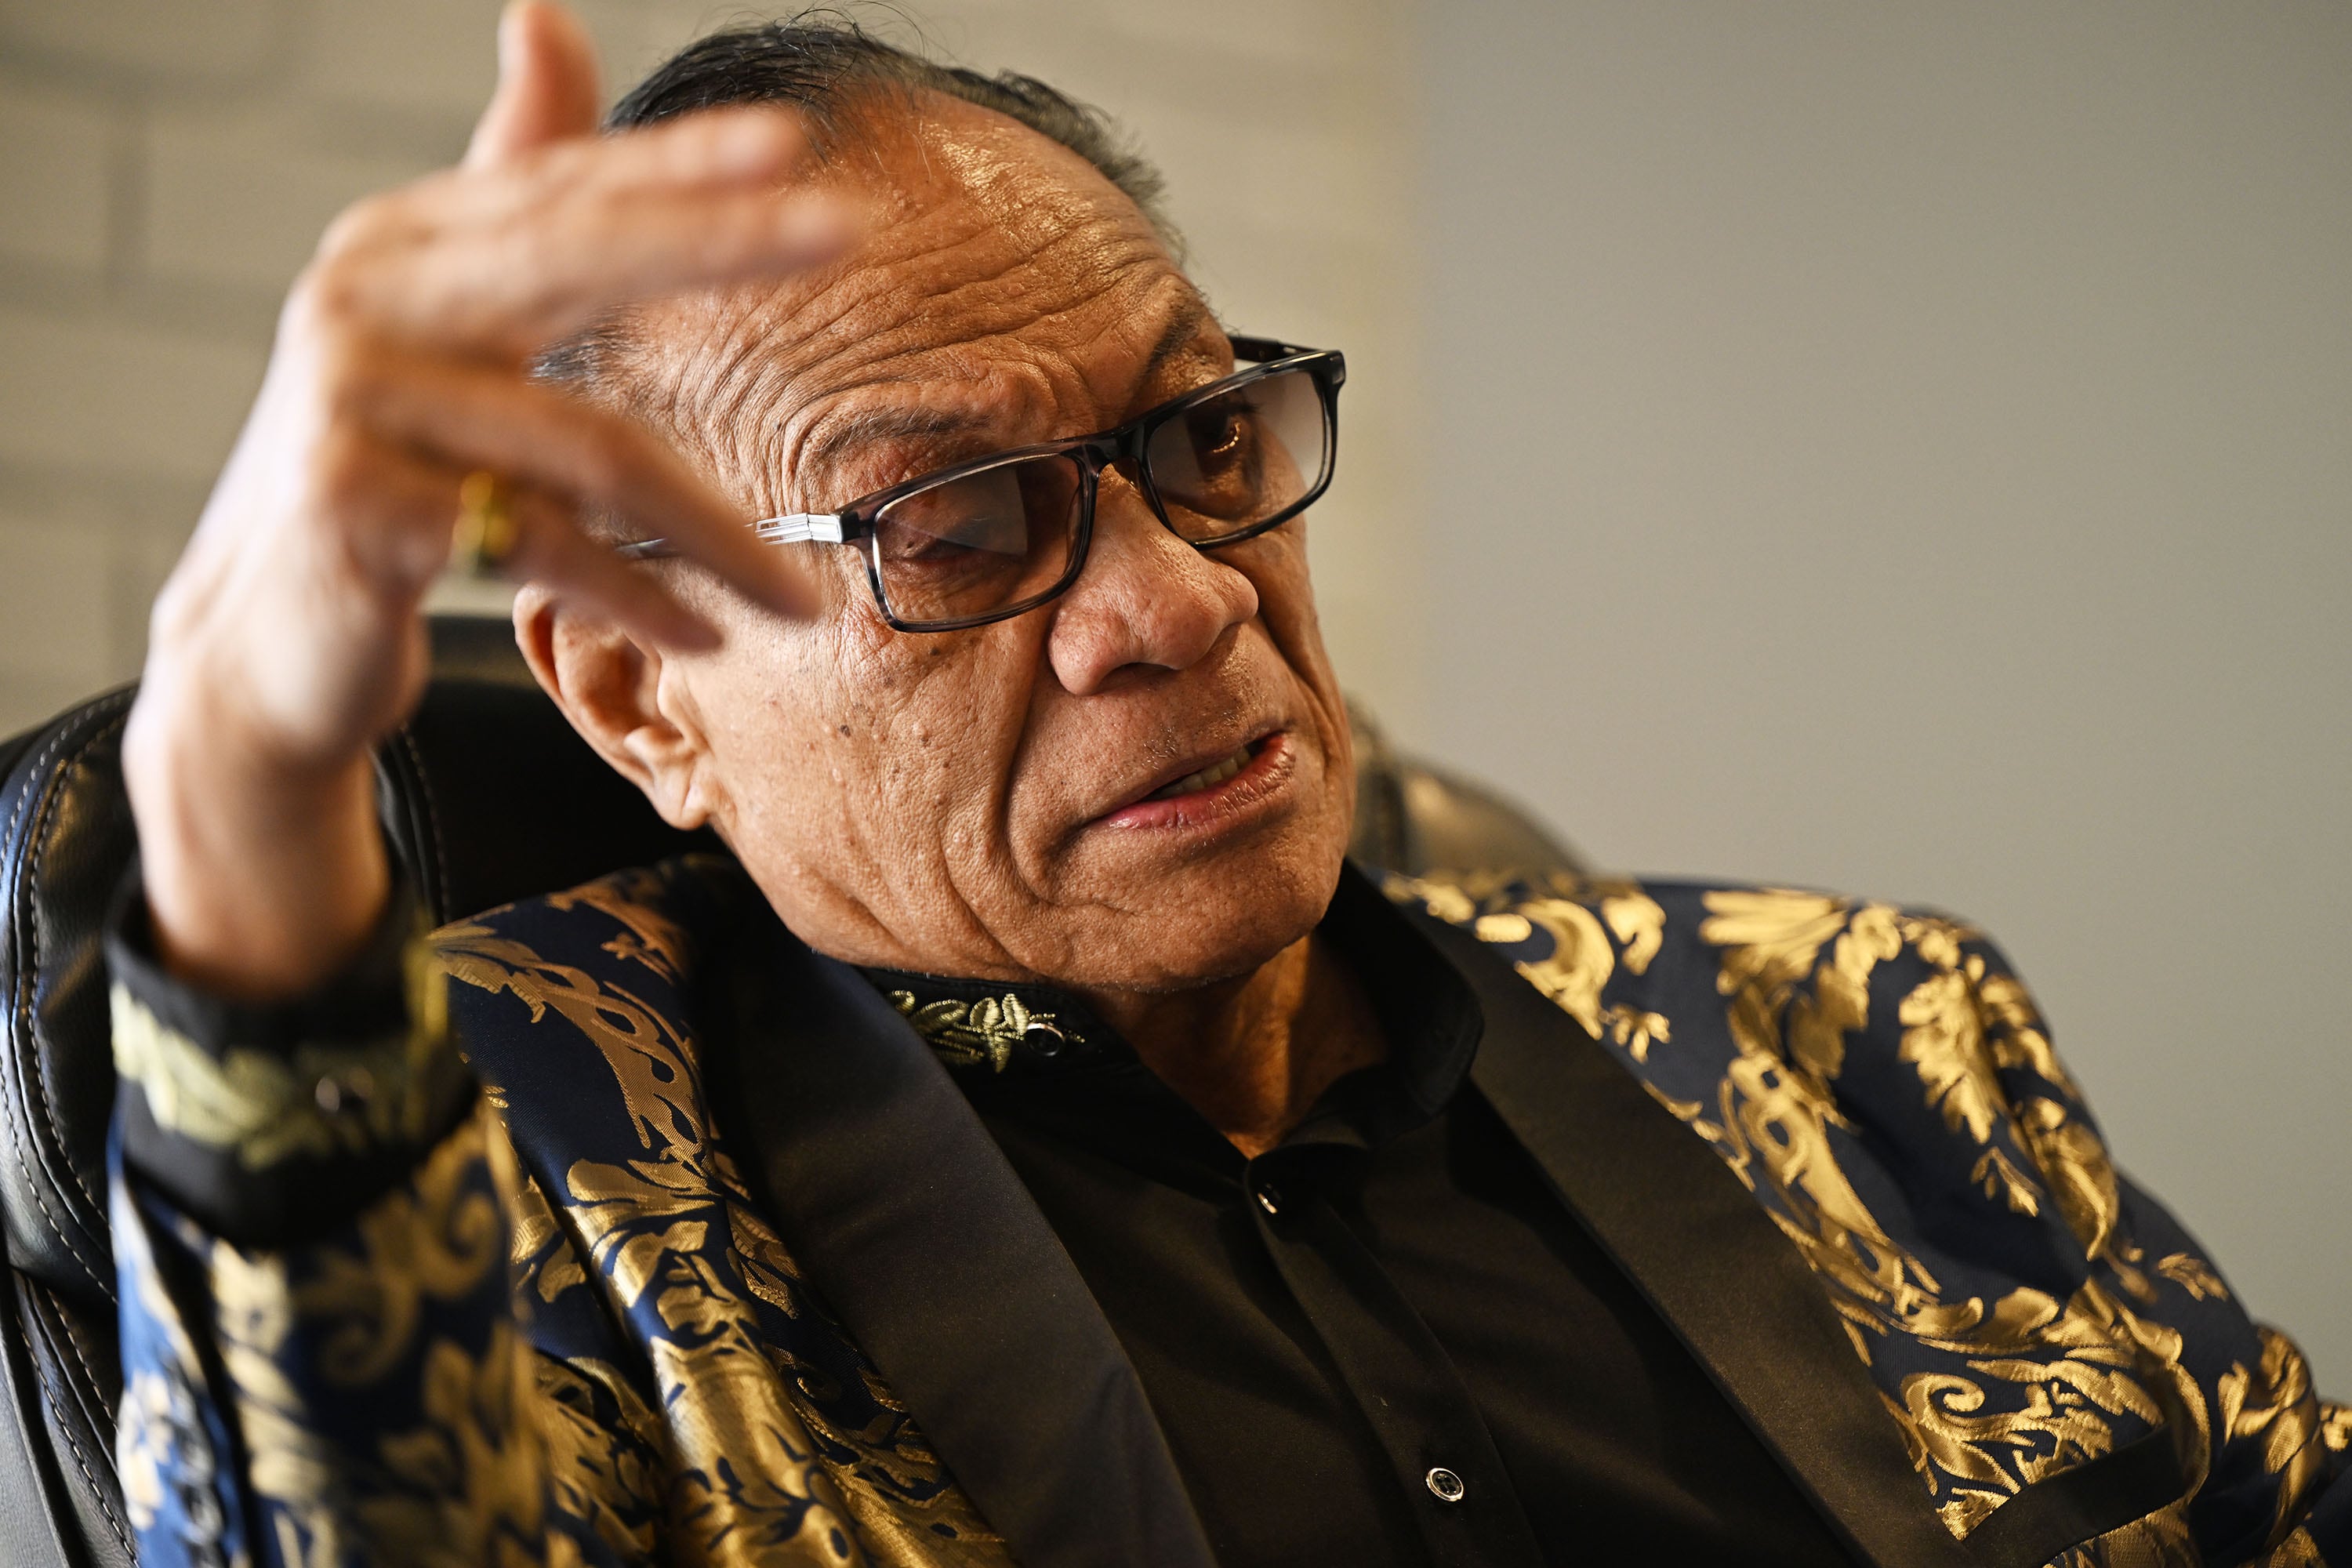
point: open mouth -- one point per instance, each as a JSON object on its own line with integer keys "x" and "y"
{"x": 1240, "y": 781}
{"x": 1210, "y": 776}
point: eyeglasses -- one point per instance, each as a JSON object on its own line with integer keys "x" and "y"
{"x": 988, "y": 539}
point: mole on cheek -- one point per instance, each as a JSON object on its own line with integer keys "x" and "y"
{"x": 844, "y": 729}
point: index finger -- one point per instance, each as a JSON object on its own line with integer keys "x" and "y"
{"x": 470, "y": 416}
{"x": 547, "y": 84}
{"x": 506, "y": 260}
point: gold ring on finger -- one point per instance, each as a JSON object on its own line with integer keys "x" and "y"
{"x": 486, "y": 532}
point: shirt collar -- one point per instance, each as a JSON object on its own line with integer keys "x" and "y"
{"x": 992, "y": 1030}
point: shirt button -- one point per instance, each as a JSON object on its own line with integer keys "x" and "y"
{"x": 1445, "y": 1485}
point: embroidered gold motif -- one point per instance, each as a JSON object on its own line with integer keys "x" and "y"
{"x": 161, "y": 1445}
{"x": 1582, "y": 960}
{"x": 611, "y": 1478}
{"x": 2029, "y": 1385}
{"x": 630, "y": 900}
{"x": 2335, "y": 1426}
{"x": 1944, "y": 1038}
{"x": 1997, "y": 1177}
{"x": 754, "y": 1471}
{"x": 268, "y": 1106}
{"x": 2194, "y": 1275}
{"x": 2273, "y": 1402}
{"x": 2298, "y": 1550}
{"x": 433, "y": 1239}
{"x": 982, "y": 1033}
{"x": 468, "y": 1476}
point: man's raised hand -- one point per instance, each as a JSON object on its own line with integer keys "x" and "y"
{"x": 289, "y": 639}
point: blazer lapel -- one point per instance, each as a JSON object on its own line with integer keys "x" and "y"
{"x": 909, "y": 1221}
{"x": 1712, "y": 1262}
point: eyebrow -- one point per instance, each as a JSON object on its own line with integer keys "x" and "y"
{"x": 1174, "y": 339}
{"x": 866, "y": 427}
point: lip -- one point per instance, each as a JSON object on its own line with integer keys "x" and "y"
{"x": 1270, "y": 767}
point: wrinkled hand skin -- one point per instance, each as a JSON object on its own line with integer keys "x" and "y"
{"x": 289, "y": 638}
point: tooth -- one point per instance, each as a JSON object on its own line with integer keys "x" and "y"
{"x": 1207, "y": 776}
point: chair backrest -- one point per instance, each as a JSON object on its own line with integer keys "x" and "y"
{"x": 486, "y": 796}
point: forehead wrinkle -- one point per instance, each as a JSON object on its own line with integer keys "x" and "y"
{"x": 823, "y": 433}
{"x": 752, "y": 361}
{"x": 758, "y": 338}
{"x": 834, "y": 441}
{"x": 837, "y": 426}
{"x": 993, "y": 260}
{"x": 1179, "y": 338}
{"x": 988, "y": 289}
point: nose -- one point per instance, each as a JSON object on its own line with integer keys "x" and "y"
{"x": 1146, "y": 600}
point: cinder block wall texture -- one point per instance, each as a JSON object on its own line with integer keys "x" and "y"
{"x": 167, "y": 166}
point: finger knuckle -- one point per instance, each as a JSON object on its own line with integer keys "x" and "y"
{"x": 358, "y": 226}
{"x": 325, "y": 301}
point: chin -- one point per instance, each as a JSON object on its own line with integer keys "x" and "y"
{"x": 1214, "y": 918}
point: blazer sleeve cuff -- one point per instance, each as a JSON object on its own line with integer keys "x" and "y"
{"x": 271, "y": 1123}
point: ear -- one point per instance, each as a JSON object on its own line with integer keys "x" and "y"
{"x": 623, "y": 697}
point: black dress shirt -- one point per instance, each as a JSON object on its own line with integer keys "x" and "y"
{"x": 1385, "y": 1340}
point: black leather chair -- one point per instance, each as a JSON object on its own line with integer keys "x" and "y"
{"x": 486, "y": 796}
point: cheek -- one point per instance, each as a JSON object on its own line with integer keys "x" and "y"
{"x": 1286, "y": 594}
{"x": 1275, "y": 564}
{"x": 868, "y": 760}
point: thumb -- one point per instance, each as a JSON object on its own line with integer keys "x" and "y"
{"x": 547, "y": 84}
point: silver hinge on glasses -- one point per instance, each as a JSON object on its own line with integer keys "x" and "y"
{"x": 795, "y": 527}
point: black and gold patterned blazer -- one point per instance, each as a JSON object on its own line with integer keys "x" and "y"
{"x": 721, "y": 1267}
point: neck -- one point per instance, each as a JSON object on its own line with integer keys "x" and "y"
{"x": 1254, "y": 1054}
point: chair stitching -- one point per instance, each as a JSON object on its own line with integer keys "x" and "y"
{"x": 16, "y": 1135}
{"x": 73, "y": 1342}
{"x": 432, "y": 820}
{"x": 48, "y": 1099}
{"x": 97, "y": 1492}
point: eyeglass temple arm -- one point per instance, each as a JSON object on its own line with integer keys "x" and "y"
{"x": 793, "y": 527}
{"x": 799, "y": 527}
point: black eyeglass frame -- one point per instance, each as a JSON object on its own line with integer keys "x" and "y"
{"x": 1122, "y": 444}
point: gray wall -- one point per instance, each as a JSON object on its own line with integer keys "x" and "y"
{"x": 1908, "y": 448}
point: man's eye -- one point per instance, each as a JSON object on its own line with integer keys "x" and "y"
{"x": 1222, "y": 436}
{"x": 1225, "y": 445}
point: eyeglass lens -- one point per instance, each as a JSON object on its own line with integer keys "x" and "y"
{"x": 976, "y": 545}
{"x": 1232, "y": 462}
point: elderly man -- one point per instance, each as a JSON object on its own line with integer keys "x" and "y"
{"x": 1032, "y": 1143}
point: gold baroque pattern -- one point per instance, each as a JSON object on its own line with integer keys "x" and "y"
{"x": 758, "y": 1468}
{"x": 265, "y": 1106}
{"x": 1993, "y": 1389}
{"x": 300, "y": 1333}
